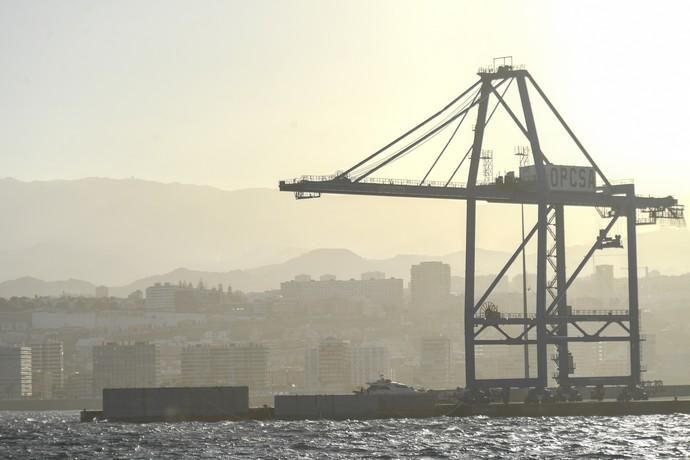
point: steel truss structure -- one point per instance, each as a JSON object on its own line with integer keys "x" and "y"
{"x": 554, "y": 322}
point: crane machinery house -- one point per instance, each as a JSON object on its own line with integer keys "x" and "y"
{"x": 563, "y": 178}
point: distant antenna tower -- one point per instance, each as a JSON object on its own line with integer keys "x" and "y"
{"x": 522, "y": 152}
{"x": 487, "y": 157}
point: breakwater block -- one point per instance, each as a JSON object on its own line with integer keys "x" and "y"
{"x": 574, "y": 409}
{"x": 175, "y": 404}
{"x": 359, "y": 406}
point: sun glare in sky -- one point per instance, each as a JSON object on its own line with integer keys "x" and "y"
{"x": 240, "y": 94}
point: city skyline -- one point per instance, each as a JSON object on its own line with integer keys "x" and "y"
{"x": 182, "y": 326}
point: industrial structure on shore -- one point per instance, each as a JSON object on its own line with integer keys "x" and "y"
{"x": 382, "y": 399}
{"x": 551, "y": 188}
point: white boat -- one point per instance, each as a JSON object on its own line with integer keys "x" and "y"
{"x": 387, "y": 386}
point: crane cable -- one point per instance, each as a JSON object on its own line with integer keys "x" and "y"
{"x": 443, "y": 150}
{"x": 450, "y": 104}
{"x": 485, "y": 125}
{"x": 418, "y": 141}
{"x": 421, "y": 140}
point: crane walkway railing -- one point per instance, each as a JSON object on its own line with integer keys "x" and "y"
{"x": 378, "y": 181}
{"x": 602, "y": 313}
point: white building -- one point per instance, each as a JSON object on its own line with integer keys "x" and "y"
{"x": 15, "y": 372}
{"x": 47, "y": 369}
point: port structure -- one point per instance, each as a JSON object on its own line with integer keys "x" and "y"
{"x": 551, "y": 188}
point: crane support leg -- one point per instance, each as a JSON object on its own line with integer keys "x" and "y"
{"x": 563, "y": 357}
{"x": 542, "y": 372}
{"x": 633, "y": 300}
{"x": 542, "y": 232}
{"x": 470, "y": 235}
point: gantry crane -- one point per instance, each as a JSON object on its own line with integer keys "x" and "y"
{"x": 549, "y": 187}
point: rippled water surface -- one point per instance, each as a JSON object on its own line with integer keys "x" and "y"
{"x": 60, "y": 435}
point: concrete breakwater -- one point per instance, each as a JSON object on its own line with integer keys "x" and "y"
{"x": 359, "y": 406}
{"x": 173, "y": 404}
{"x": 232, "y": 403}
{"x": 574, "y": 409}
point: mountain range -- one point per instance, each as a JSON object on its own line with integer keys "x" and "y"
{"x": 342, "y": 263}
{"x": 113, "y": 231}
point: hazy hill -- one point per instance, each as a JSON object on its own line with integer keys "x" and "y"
{"x": 340, "y": 262}
{"x": 114, "y": 231}
{"x": 29, "y": 287}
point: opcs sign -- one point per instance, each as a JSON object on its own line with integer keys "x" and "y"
{"x": 571, "y": 178}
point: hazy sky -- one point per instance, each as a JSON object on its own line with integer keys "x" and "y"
{"x": 240, "y": 94}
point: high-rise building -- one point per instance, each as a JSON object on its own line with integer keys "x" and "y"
{"x": 430, "y": 286}
{"x": 182, "y": 297}
{"x": 369, "y": 363}
{"x": 15, "y": 372}
{"x": 249, "y": 365}
{"x": 169, "y": 361}
{"x": 47, "y": 369}
{"x": 604, "y": 284}
{"x": 335, "y": 365}
{"x": 130, "y": 365}
{"x": 205, "y": 365}
{"x": 235, "y": 364}
{"x": 434, "y": 363}
{"x": 311, "y": 369}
